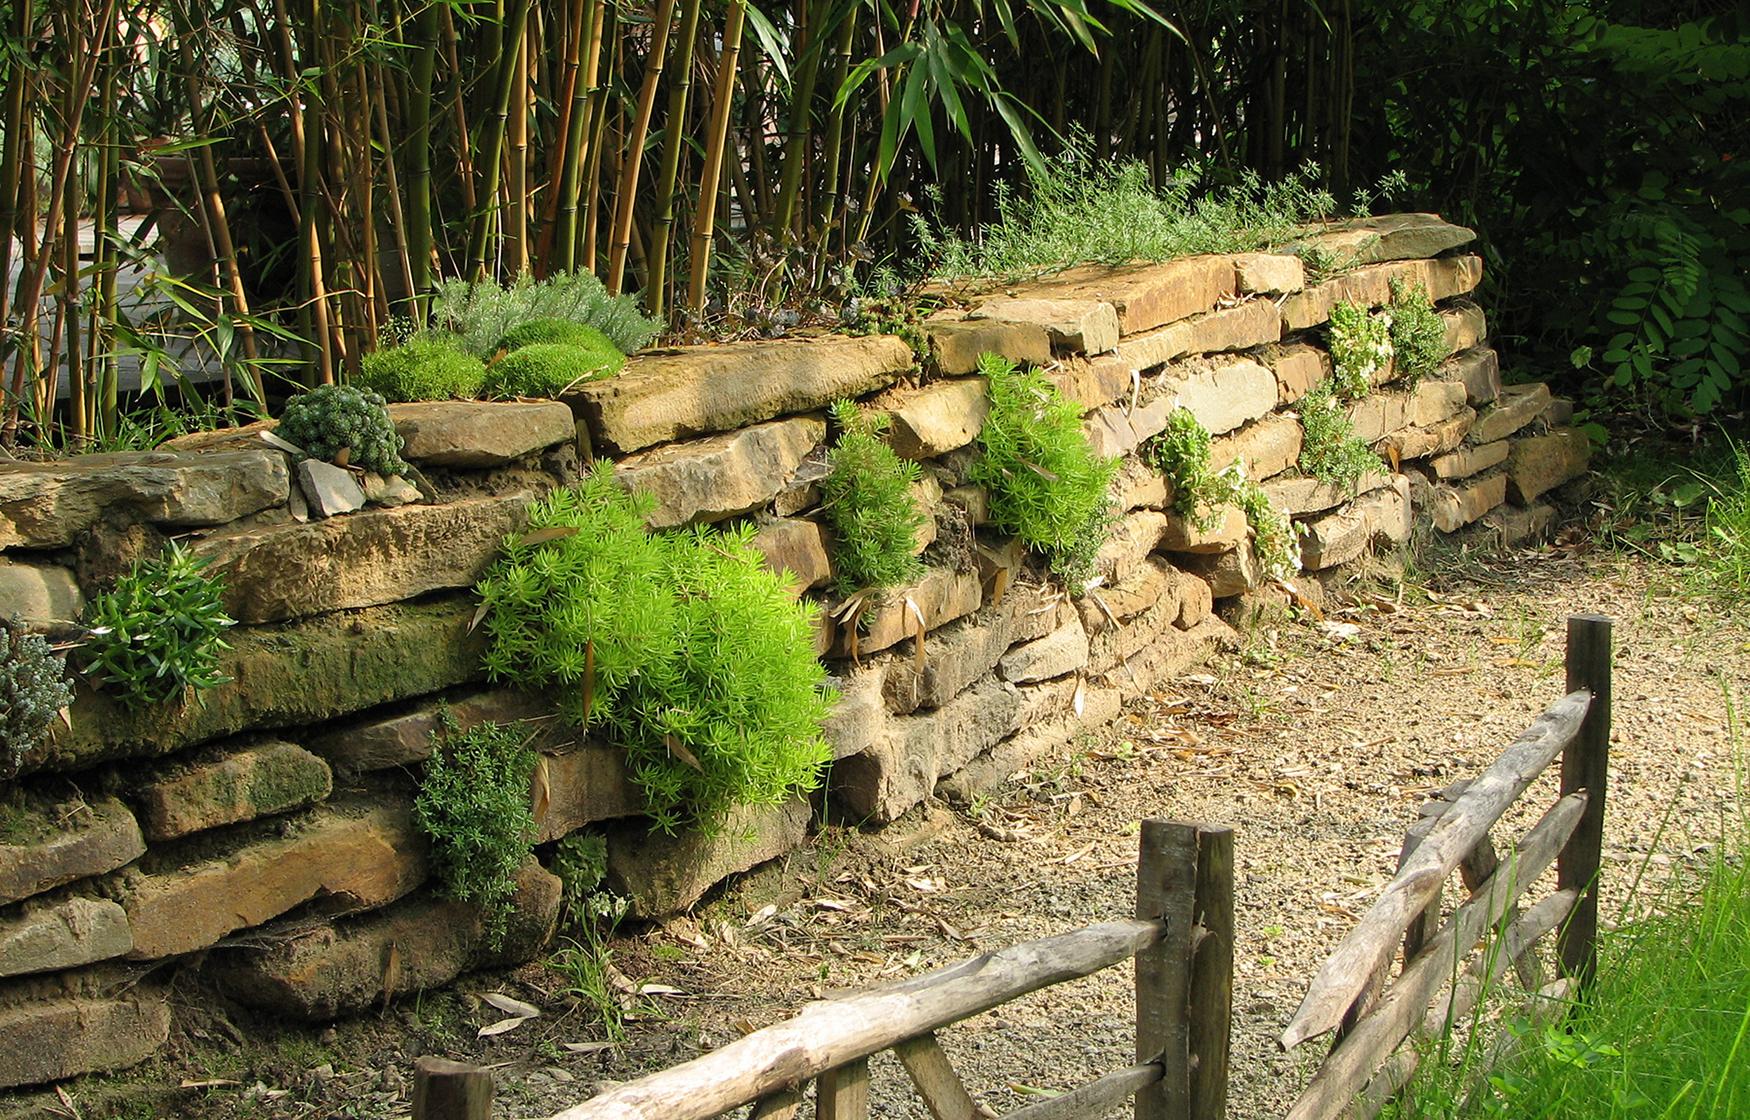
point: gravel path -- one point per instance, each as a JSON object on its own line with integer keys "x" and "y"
{"x": 1316, "y": 742}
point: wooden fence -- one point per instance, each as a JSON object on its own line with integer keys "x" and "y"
{"x": 1181, "y": 942}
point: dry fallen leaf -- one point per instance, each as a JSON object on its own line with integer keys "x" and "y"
{"x": 503, "y": 1026}
{"x": 511, "y": 1005}
{"x": 586, "y": 1047}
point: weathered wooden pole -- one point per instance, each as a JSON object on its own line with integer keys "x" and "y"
{"x": 446, "y": 1090}
{"x": 1585, "y": 765}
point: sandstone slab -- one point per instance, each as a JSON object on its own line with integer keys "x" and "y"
{"x": 1148, "y": 585}
{"x": 1081, "y": 326}
{"x": 1064, "y": 650}
{"x": 1539, "y": 464}
{"x": 955, "y": 656}
{"x": 328, "y": 490}
{"x": 939, "y": 418}
{"x": 39, "y": 593}
{"x": 796, "y": 547}
{"x": 1478, "y": 369}
{"x": 1466, "y": 461}
{"x": 68, "y": 932}
{"x": 1170, "y": 654}
{"x": 48, "y": 504}
{"x": 582, "y": 784}
{"x": 1268, "y": 273}
{"x": 1370, "y": 286}
{"x": 939, "y": 597}
{"x": 1222, "y": 394}
{"x": 1146, "y": 295}
{"x": 1302, "y": 495}
{"x": 405, "y": 737}
{"x": 477, "y": 434}
{"x": 802, "y": 490}
{"x": 1510, "y": 526}
{"x": 1381, "y": 517}
{"x": 1221, "y": 530}
{"x": 1229, "y": 573}
{"x": 1092, "y": 382}
{"x": 1140, "y": 486}
{"x": 1267, "y": 447}
{"x": 1451, "y": 508}
{"x": 373, "y": 558}
{"x": 256, "y": 781}
{"x": 1390, "y": 237}
{"x": 1240, "y": 327}
{"x": 665, "y": 874}
{"x": 1466, "y": 326}
{"x": 698, "y": 390}
{"x": 957, "y": 346}
{"x": 1128, "y": 544}
{"x": 1432, "y": 439}
{"x": 1517, "y": 406}
{"x": 720, "y": 476}
{"x": 1298, "y": 368}
{"x": 1035, "y": 740}
{"x": 49, "y": 1039}
{"x": 57, "y": 847}
{"x": 901, "y": 768}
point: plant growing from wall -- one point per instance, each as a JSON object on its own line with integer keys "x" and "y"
{"x": 1047, "y": 485}
{"x": 473, "y": 804}
{"x": 33, "y": 689}
{"x": 427, "y": 367}
{"x": 1361, "y": 348}
{"x": 345, "y": 425}
{"x": 868, "y": 500}
{"x": 549, "y": 369}
{"x": 1181, "y": 452}
{"x": 1273, "y": 537}
{"x": 581, "y": 862}
{"x": 1330, "y": 450}
{"x": 484, "y": 313}
{"x": 158, "y": 633}
{"x": 1418, "y": 334}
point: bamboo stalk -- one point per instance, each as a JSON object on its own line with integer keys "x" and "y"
{"x": 717, "y": 141}
{"x": 634, "y": 147}
{"x": 674, "y": 127}
{"x": 492, "y": 151}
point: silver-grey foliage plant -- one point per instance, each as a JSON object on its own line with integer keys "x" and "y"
{"x": 483, "y": 313}
{"x": 33, "y": 688}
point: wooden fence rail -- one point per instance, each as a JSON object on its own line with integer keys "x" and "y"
{"x": 1182, "y": 943}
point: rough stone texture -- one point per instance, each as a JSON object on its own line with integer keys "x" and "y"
{"x": 721, "y": 476}
{"x": 697, "y": 390}
{"x": 404, "y": 738}
{"x": 797, "y": 547}
{"x": 1371, "y": 287}
{"x": 1128, "y": 544}
{"x": 1139, "y": 486}
{"x": 1391, "y": 237}
{"x": 802, "y": 490}
{"x": 584, "y": 784}
{"x": 366, "y": 856}
{"x": 1241, "y": 327}
{"x": 955, "y": 656}
{"x": 102, "y": 837}
{"x": 1035, "y": 740}
{"x": 1267, "y": 447}
{"x": 285, "y": 676}
{"x": 941, "y": 596}
{"x": 1466, "y": 326}
{"x": 475, "y": 434}
{"x": 66, "y": 933}
{"x": 667, "y": 874}
{"x": 1233, "y": 572}
{"x": 1171, "y": 654}
{"x": 392, "y": 491}
{"x": 1223, "y": 395}
{"x": 1092, "y": 382}
{"x": 343, "y": 969}
{"x": 379, "y": 556}
{"x": 1268, "y": 273}
{"x": 1559, "y": 414}
{"x": 1518, "y": 406}
{"x": 1510, "y": 526}
{"x": 973, "y": 501}
{"x": 49, "y": 1039}
{"x": 257, "y": 781}
{"x": 1149, "y": 584}
{"x": 1380, "y": 413}
{"x": 1466, "y": 461}
{"x": 1082, "y": 326}
{"x": 1303, "y": 495}
{"x": 1420, "y": 442}
{"x": 1451, "y": 508}
{"x": 1146, "y": 295}
{"x": 1064, "y": 650}
{"x": 48, "y": 504}
{"x": 1382, "y": 516}
{"x": 939, "y": 418}
{"x": 1298, "y": 369}
{"x": 1478, "y": 370}
{"x": 1222, "y": 532}
{"x": 1539, "y": 464}
{"x": 1110, "y": 645}
{"x": 860, "y": 715}
{"x": 39, "y": 593}
{"x": 328, "y": 490}
{"x": 900, "y": 769}
{"x": 956, "y": 346}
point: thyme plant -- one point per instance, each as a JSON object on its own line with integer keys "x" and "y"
{"x": 1330, "y": 451}
{"x": 157, "y": 635}
{"x": 868, "y": 500}
{"x": 1418, "y": 335}
{"x": 33, "y": 688}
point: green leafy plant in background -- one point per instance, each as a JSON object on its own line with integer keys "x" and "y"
{"x": 343, "y": 424}
{"x": 1047, "y": 486}
{"x": 1723, "y": 561}
{"x": 427, "y": 367}
{"x": 1361, "y": 348}
{"x": 868, "y": 499}
{"x": 1330, "y": 450}
{"x": 484, "y": 313}
{"x": 549, "y": 369}
{"x": 33, "y": 689}
{"x": 473, "y": 804}
{"x": 159, "y": 632}
{"x": 1418, "y": 334}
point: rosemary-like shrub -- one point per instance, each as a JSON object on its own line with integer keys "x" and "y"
{"x": 157, "y": 634}
{"x": 1361, "y": 347}
{"x": 33, "y": 688}
{"x": 473, "y": 804}
{"x": 869, "y": 502}
{"x": 1418, "y": 335}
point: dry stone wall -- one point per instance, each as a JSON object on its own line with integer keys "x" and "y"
{"x": 263, "y": 834}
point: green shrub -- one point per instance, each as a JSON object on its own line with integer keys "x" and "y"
{"x": 473, "y": 804}
{"x": 554, "y": 330}
{"x": 1273, "y": 536}
{"x": 868, "y": 500}
{"x": 484, "y": 313}
{"x": 427, "y": 367}
{"x": 683, "y": 645}
{"x": 581, "y": 863}
{"x": 1046, "y": 484}
{"x": 158, "y": 633}
{"x": 1418, "y": 335}
{"x": 1361, "y": 347}
{"x": 33, "y": 688}
{"x": 331, "y": 419}
{"x": 548, "y": 369}
{"x": 1182, "y": 453}
{"x": 1330, "y": 451}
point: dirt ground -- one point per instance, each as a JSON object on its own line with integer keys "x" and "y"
{"x": 1317, "y": 742}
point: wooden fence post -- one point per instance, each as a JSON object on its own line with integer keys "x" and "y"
{"x": 1585, "y": 765}
{"x": 1184, "y": 982}
{"x": 446, "y": 1090}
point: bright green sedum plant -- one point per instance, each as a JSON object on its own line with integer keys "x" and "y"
{"x": 869, "y": 501}
{"x": 427, "y": 367}
{"x": 549, "y": 369}
{"x": 554, "y": 330}
{"x": 1418, "y": 334}
{"x": 1047, "y": 485}
{"x": 473, "y": 804}
{"x": 33, "y": 688}
{"x": 484, "y": 313}
{"x": 331, "y": 419}
{"x": 1330, "y": 451}
{"x": 158, "y": 633}
{"x": 1361, "y": 349}
{"x": 682, "y": 646}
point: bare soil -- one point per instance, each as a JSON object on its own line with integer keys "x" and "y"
{"x": 1317, "y": 741}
